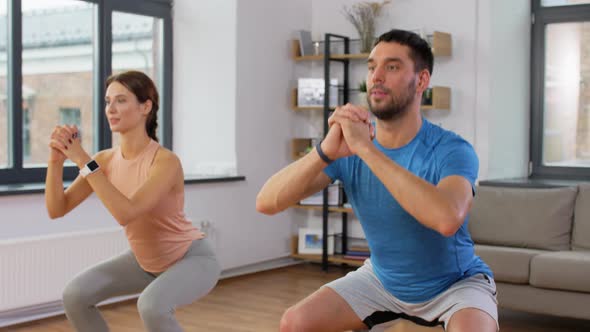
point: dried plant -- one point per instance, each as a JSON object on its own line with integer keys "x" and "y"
{"x": 362, "y": 16}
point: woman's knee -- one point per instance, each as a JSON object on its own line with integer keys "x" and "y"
{"x": 151, "y": 310}
{"x": 75, "y": 295}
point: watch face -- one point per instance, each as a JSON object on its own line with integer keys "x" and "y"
{"x": 92, "y": 165}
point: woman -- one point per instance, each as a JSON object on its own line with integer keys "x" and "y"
{"x": 142, "y": 185}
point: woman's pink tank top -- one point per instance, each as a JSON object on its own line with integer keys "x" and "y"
{"x": 160, "y": 237}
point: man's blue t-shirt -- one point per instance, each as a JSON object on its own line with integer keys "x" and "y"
{"x": 413, "y": 262}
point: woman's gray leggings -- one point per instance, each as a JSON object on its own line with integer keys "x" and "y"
{"x": 187, "y": 280}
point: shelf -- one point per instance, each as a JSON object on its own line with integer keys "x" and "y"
{"x": 335, "y": 259}
{"x": 296, "y": 54}
{"x": 441, "y": 99}
{"x": 317, "y": 258}
{"x": 320, "y": 207}
{"x": 359, "y": 56}
{"x": 441, "y": 43}
{"x": 299, "y": 147}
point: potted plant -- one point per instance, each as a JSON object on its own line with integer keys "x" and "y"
{"x": 363, "y": 93}
{"x": 363, "y": 86}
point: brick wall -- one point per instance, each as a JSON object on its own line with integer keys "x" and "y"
{"x": 50, "y": 93}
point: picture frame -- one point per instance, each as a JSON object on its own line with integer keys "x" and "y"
{"x": 310, "y": 241}
{"x": 310, "y": 92}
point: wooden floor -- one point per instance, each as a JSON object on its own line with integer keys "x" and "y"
{"x": 256, "y": 302}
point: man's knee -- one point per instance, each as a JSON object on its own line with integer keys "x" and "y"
{"x": 471, "y": 319}
{"x": 293, "y": 320}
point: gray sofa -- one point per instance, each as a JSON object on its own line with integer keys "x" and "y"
{"x": 537, "y": 243}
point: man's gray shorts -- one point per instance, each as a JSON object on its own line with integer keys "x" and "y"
{"x": 378, "y": 309}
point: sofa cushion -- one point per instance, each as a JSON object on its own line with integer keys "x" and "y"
{"x": 508, "y": 264}
{"x": 564, "y": 270}
{"x": 523, "y": 217}
{"x": 581, "y": 231}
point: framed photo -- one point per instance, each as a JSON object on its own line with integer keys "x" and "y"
{"x": 310, "y": 92}
{"x": 310, "y": 241}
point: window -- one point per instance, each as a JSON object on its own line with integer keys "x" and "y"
{"x": 4, "y": 133}
{"x": 57, "y": 69}
{"x": 137, "y": 45}
{"x": 552, "y": 3}
{"x": 560, "y": 116}
{"x": 26, "y": 134}
{"x": 70, "y": 116}
{"x": 65, "y": 50}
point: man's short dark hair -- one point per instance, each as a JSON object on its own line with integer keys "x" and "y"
{"x": 420, "y": 51}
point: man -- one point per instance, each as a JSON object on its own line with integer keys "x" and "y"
{"x": 411, "y": 188}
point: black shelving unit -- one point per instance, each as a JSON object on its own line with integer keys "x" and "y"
{"x": 328, "y": 59}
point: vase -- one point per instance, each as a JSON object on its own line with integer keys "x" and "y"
{"x": 367, "y": 38}
{"x": 366, "y": 43}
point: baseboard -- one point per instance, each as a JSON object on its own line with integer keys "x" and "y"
{"x": 55, "y": 308}
{"x": 259, "y": 267}
{"x": 45, "y": 310}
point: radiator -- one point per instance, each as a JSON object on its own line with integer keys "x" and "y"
{"x": 34, "y": 271}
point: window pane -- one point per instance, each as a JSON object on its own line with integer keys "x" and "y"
{"x": 4, "y": 132}
{"x": 70, "y": 116}
{"x": 552, "y": 3}
{"x": 137, "y": 45}
{"x": 57, "y": 73}
{"x": 566, "y": 125}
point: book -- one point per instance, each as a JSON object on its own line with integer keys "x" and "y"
{"x": 305, "y": 43}
{"x": 359, "y": 248}
{"x": 357, "y": 253}
{"x": 356, "y": 258}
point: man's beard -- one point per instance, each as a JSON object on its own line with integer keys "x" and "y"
{"x": 399, "y": 104}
